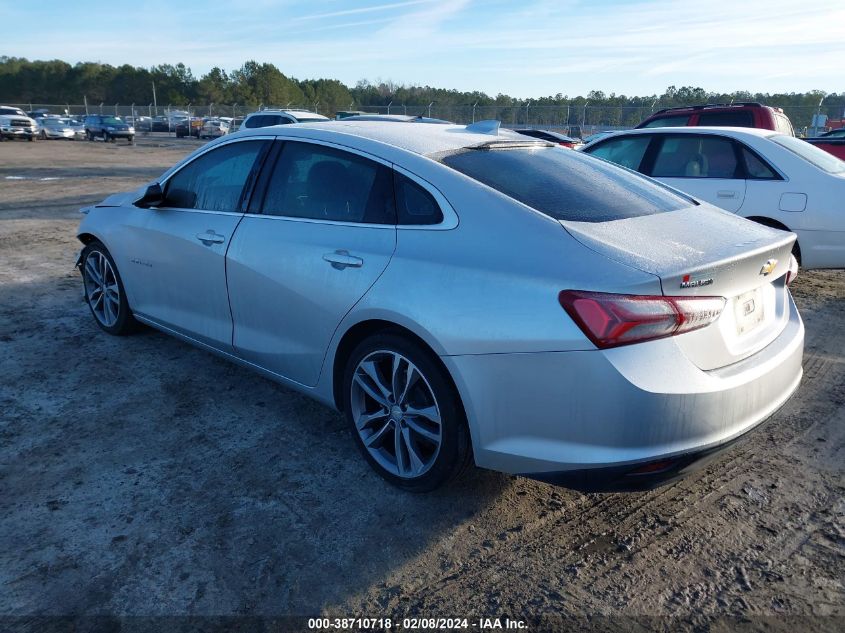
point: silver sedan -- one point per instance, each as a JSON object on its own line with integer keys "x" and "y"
{"x": 462, "y": 296}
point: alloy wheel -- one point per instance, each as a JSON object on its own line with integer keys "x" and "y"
{"x": 101, "y": 288}
{"x": 396, "y": 414}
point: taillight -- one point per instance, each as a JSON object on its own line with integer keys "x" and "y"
{"x": 611, "y": 320}
{"x": 792, "y": 273}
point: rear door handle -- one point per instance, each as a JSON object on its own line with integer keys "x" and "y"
{"x": 342, "y": 259}
{"x": 210, "y": 237}
{"x": 726, "y": 194}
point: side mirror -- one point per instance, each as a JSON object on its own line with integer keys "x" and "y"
{"x": 152, "y": 197}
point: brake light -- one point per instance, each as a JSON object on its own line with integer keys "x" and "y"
{"x": 611, "y": 320}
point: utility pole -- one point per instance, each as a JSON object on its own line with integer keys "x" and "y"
{"x": 473, "y": 111}
{"x": 388, "y": 106}
{"x": 155, "y": 103}
{"x": 429, "y": 108}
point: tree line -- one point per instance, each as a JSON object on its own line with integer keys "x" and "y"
{"x": 254, "y": 84}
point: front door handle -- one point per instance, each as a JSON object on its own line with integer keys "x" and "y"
{"x": 210, "y": 237}
{"x": 342, "y": 259}
{"x": 726, "y": 194}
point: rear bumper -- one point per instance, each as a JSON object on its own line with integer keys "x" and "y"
{"x": 602, "y": 414}
{"x": 640, "y": 476}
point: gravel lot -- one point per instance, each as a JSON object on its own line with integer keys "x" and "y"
{"x": 141, "y": 476}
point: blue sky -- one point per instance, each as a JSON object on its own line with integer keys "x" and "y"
{"x": 527, "y": 49}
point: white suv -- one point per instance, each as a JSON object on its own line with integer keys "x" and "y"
{"x": 14, "y": 123}
{"x": 266, "y": 118}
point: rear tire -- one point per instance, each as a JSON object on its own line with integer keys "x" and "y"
{"x": 405, "y": 413}
{"x": 104, "y": 291}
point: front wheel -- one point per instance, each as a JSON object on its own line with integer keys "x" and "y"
{"x": 405, "y": 413}
{"x": 104, "y": 292}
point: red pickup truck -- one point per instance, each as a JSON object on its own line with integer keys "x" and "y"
{"x": 832, "y": 142}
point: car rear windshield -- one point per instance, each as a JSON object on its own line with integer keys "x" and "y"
{"x": 812, "y": 154}
{"x": 566, "y": 184}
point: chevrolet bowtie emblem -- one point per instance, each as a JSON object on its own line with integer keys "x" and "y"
{"x": 768, "y": 267}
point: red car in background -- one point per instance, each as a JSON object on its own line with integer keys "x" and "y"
{"x": 744, "y": 114}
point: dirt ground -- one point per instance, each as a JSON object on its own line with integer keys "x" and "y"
{"x": 142, "y": 477}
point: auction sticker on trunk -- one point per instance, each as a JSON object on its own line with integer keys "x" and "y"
{"x": 748, "y": 310}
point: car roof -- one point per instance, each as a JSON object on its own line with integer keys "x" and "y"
{"x": 713, "y": 106}
{"x": 401, "y": 118}
{"x": 698, "y": 129}
{"x": 411, "y": 137}
{"x": 293, "y": 113}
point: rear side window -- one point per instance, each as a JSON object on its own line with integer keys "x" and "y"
{"x": 214, "y": 181}
{"x": 323, "y": 183}
{"x": 742, "y": 118}
{"x": 414, "y": 204}
{"x": 678, "y": 120}
{"x": 693, "y": 156}
{"x": 627, "y": 151}
{"x": 756, "y": 168}
{"x": 566, "y": 185}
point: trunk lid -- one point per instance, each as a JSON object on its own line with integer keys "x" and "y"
{"x": 704, "y": 251}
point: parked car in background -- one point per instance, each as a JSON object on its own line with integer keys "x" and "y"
{"x": 50, "y": 128}
{"x": 596, "y": 136}
{"x": 460, "y": 295}
{"x": 745, "y": 114}
{"x": 78, "y": 129}
{"x": 214, "y": 128}
{"x": 191, "y": 126}
{"x": 108, "y": 127}
{"x": 266, "y": 118}
{"x": 343, "y": 114}
{"x": 771, "y": 178}
{"x": 40, "y": 114}
{"x": 14, "y": 123}
{"x": 838, "y": 133}
{"x": 552, "y": 137}
{"x": 833, "y": 142}
{"x": 395, "y": 118}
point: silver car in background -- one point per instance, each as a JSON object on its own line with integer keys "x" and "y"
{"x": 55, "y": 128}
{"x": 462, "y": 296}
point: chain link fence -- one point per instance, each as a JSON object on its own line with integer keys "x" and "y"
{"x": 578, "y": 120}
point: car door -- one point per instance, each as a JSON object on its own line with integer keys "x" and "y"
{"x": 177, "y": 266}
{"x": 706, "y": 166}
{"x": 320, "y": 231}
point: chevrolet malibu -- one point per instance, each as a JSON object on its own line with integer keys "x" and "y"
{"x": 462, "y": 296}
